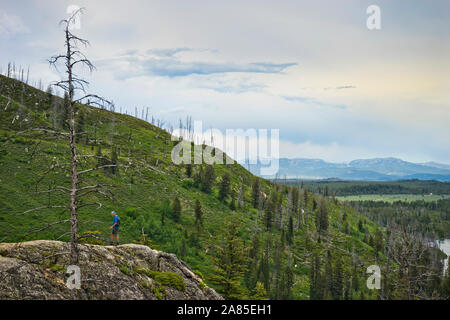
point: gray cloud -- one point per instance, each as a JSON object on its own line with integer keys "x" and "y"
{"x": 233, "y": 87}
{"x": 345, "y": 87}
{"x": 340, "y": 88}
{"x": 176, "y": 68}
{"x": 312, "y": 101}
{"x": 168, "y": 64}
{"x": 168, "y": 52}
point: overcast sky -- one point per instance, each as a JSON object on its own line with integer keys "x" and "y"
{"x": 312, "y": 69}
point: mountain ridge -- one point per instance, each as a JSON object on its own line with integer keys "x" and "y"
{"x": 373, "y": 169}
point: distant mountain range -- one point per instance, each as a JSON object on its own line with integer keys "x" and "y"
{"x": 379, "y": 169}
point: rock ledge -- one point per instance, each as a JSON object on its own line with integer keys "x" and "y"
{"x": 37, "y": 270}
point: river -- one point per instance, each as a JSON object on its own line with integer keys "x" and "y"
{"x": 444, "y": 245}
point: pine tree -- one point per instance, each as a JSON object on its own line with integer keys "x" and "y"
{"x": 290, "y": 234}
{"x": 288, "y": 282}
{"x": 251, "y": 276}
{"x": 165, "y": 211}
{"x": 371, "y": 241}
{"x": 355, "y": 279}
{"x": 264, "y": 267}
{"x": 314, "y": 277}
{"x": 176, "y": 209}
{"x": 49, "y": 95}
{"x": 233, "y": 200}
{"x": 345, "y": 223}
{"x": 337, "y": 280}
{"x": 224, "y": 190}
{"x": 198, "y": 177}
{"x": 256, "y": 189}
{"x": 198, "y": 215}
{"x": 183, "y": 249}
{"x": 322, "y": 217}
{"x": 277, "y": 273}
{"x": 346, "y": 227}
{"x": 347, "y": 288}
{"x": 322, "y": 291}
{"x": 366, "y": 238}
{"x": 189, "y": 170}
{"x": 328, "y": 276}
{"x": 295, "y": 200}
{"x": 283, "y": 238}
{"x": 378, "y": 242}
{"x": 269, "y": 211}
{"x": 230, "y": 263}
{"x": 360, "y": 226}
{"x": 317, "y": 221}
{"x": 208, "y": 179}
{"x": 260, "y": 292}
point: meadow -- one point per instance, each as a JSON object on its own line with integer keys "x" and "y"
{"x": 394, "y": 197}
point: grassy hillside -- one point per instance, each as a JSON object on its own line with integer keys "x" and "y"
{"x": 279, "y": 238}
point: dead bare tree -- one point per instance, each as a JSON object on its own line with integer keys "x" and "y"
{"x": 74, "y": 85}
{"x": 412, "y": 255}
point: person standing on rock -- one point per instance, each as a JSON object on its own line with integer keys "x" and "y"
{"x": 115, "y": 228}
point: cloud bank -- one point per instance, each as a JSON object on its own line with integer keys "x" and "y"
{"x": 166, "y": 63}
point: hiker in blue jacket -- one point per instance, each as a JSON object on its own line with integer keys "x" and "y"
{"x": 115, "y": 228}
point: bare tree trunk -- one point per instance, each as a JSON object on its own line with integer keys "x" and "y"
{"x": 73, "y": 196}
{"x": 73, "y": 155}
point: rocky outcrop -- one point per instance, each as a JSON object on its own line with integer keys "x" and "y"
{"x": 37, "y": 270}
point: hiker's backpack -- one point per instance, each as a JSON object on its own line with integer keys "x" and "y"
{"x": 118, "y": 222}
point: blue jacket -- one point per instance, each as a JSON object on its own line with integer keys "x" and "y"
{"x": 115, "y": 220}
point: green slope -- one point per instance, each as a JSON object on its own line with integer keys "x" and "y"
{"x": 142, "y": 195}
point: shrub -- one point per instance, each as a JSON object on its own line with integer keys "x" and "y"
{"x": 131, "y": 212}
{"x": 198, "y": 273}
{"x": 187, "y": 183}
{"x": 91, "y": 237}
{"x": 57, "y": 268}
{"x": 170, "y": 279}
